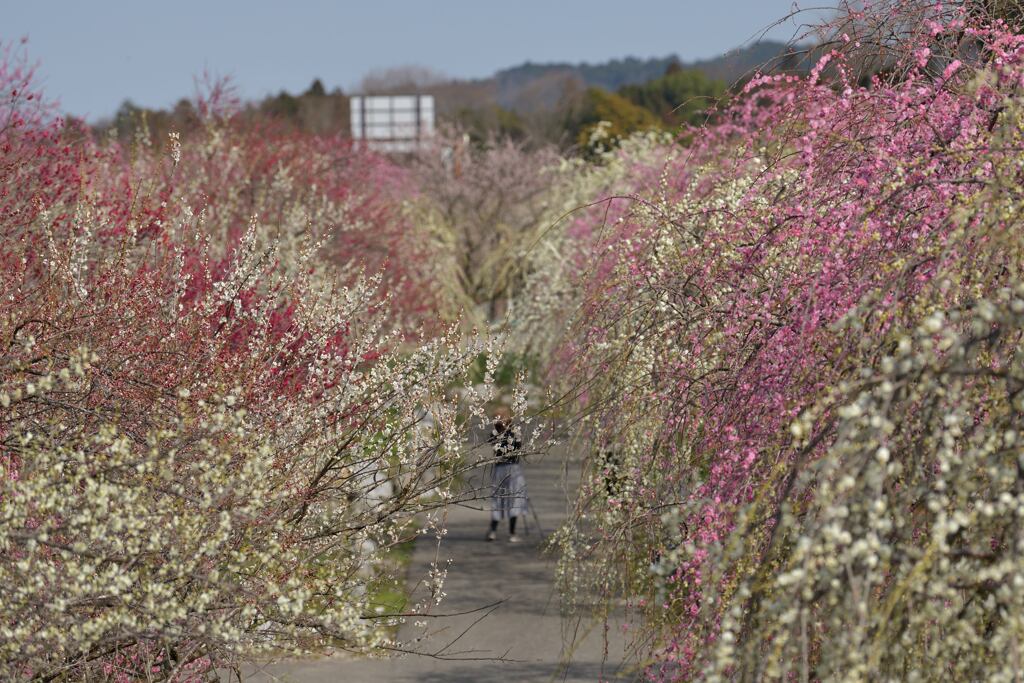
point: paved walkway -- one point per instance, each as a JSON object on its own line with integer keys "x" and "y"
{"x": 525, "y": 630}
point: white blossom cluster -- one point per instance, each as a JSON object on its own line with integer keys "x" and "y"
{"x": 209, "y": 477}
{"x": 899, "y": 554}
{"x": 223, "y": 533}
{"x": 551, "y": 294}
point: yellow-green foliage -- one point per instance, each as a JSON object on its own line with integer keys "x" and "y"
{"x": 597, "y": 105}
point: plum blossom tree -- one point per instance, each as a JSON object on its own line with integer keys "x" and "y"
{"x": 795, "y": 350}
{"x": 200, "y": 398}
{"x": 484, "y": 206}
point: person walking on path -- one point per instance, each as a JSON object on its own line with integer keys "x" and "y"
{"x": 508, "y": 483}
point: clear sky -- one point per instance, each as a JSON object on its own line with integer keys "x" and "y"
{"x": 94, "y": 54}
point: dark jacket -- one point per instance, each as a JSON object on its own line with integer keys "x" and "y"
{"x": 505, "y": 443}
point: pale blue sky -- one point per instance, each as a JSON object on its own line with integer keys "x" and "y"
{"x": 95, "y": 54}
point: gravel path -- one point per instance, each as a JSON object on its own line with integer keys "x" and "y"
{"x": 525, "y": 631}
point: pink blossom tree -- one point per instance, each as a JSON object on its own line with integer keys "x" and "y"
{"x": 795, "y": 353}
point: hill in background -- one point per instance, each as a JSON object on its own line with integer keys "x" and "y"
{"x": 530, "y": 87}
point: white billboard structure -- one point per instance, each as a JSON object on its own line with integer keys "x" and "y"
{"x": 392, "y": 123}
